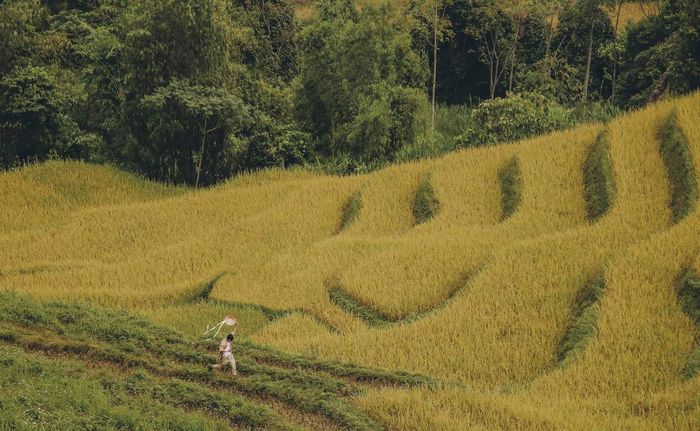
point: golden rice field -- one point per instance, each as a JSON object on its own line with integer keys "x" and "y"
{"x": 479, "y": 302}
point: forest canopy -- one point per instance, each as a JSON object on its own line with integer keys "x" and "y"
{"x": 195, "y": 91}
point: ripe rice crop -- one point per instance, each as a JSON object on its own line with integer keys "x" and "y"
{"x": 494, "y": 347}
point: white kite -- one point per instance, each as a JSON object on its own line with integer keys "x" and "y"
{"x": 229, "y": 320}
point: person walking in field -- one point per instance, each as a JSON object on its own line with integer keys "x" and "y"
{"x": 226, "y": 355}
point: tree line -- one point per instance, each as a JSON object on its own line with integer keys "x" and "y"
{"x": 194, "y": 91}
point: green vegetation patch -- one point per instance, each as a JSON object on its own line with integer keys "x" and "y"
{"x": 374, "y": 317}
{"x": 425, "y": 204}
{"x": 511, "y": 188}
{"x": 202, "y": 291}
{"x": 142, "y": 360}
{"x": 351, "y": 210}
{"x": 679, "y": 165}
{"x": 583, "y": 322}
{"x": 352, "y": 372}
{"x": 688, "y": 291}
{"x": 343, "y": 299}
{"x": 41, "y": 393}
{"x": 599, "y": 187}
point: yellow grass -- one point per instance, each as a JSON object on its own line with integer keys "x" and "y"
{"x": 633, "y": 12}
{"x": 127, "y": 243}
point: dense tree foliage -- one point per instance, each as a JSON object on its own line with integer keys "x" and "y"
{"x": 662, "y": 54}
{"x": 360, "y": 88}
{"x": 194, "y": 91}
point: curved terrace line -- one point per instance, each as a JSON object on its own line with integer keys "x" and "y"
{"x": 351, "y": 211}
{"x": 35, "y": 269}
{"x": 688, "y": 293}
{"x": 202, "y": 293}
{"x": 583, "y": 323}
{"x": 372, "y": 316}
{"x": 302, "y": 384}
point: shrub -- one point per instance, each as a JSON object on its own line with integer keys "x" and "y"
{"x": 351, "y": 210}
{"x": 353, "y": 306}
{"x": 515, "y": 117}
{"x": 583, "y": 322}
{"x": 424, "y": 147}
{"x": 688, "y": 291}
{"x": 425, "y": 204}
{"x": 595, "y": 112}
{"x": 680, "y": 168}
{"x": 598, "y": 178}
{"x": 689, "y": 296}
{"x": 511, "y": 188}
{"x": 34, "y": 120}
{"x": 271, "y": 145}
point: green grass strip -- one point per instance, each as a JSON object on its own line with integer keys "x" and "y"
{"x": 354, "y": 306}
{"x": 599, "y": 187}
{"x": 511, "y": 188}
{"x": 41, "y": 392}
{"x": 202, "y": 291}
{"x": 351, "y": 210}
{"x": 583, "y": 323}
{"x": 425, "y": 204}
{"x": 108, "y": 337}
{"x": 191, "y": 396}
{"x": 374, "y": 317}
{"x": 688, "y": 291}
{"x": 679, "y": 165}
{"x": 353, "y": 372}
{"x": 310, "y": 393}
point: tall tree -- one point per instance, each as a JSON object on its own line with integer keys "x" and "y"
{"x": 490, "y": 25}
{"x": 662, "y": 54}
{"x": 583, "y": 27}
{"x": 433, "y": 13}
{"x": 517, "y": 12}
{"x": 590, "y": 8}
{"x": 361, "y": 86}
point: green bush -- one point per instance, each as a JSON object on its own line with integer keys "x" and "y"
{"x": 450, "y": 122}
{"x": 595, "y": 112}
{"x": 598, "y": 178}
{"x": 424, "y": 147}
{"x": 353, "y": 306}
{"x": 679, "y": 166}
{"x": 351, "y": 210}
{"x": 511, "y": 188}
{"x": 270, "y": 145}
{"x": 34, "y": 120}
{"x": 515, "y": 117}
{"x": 689, "y": 296}
{"x": 688, "y": 291}
{"x": 425, "y": 204}
{"x": 583, "y": 322}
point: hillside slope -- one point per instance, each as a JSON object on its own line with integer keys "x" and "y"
{"x": 539, "y": 283}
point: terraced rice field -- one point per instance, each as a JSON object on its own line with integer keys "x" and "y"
{"x": 546, "y": 284}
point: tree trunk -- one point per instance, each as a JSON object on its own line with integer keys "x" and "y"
{"x": 201, "y": 153}
{"x": 617, "y": 60}
{"x": 435, "y": 30}
{"x": 493, "y": 65}
{"x": 493, "y": 83}
{"x": 588, "y": 64}
{"x": 548, "y": 45}
{"x": 512, "y": 56}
